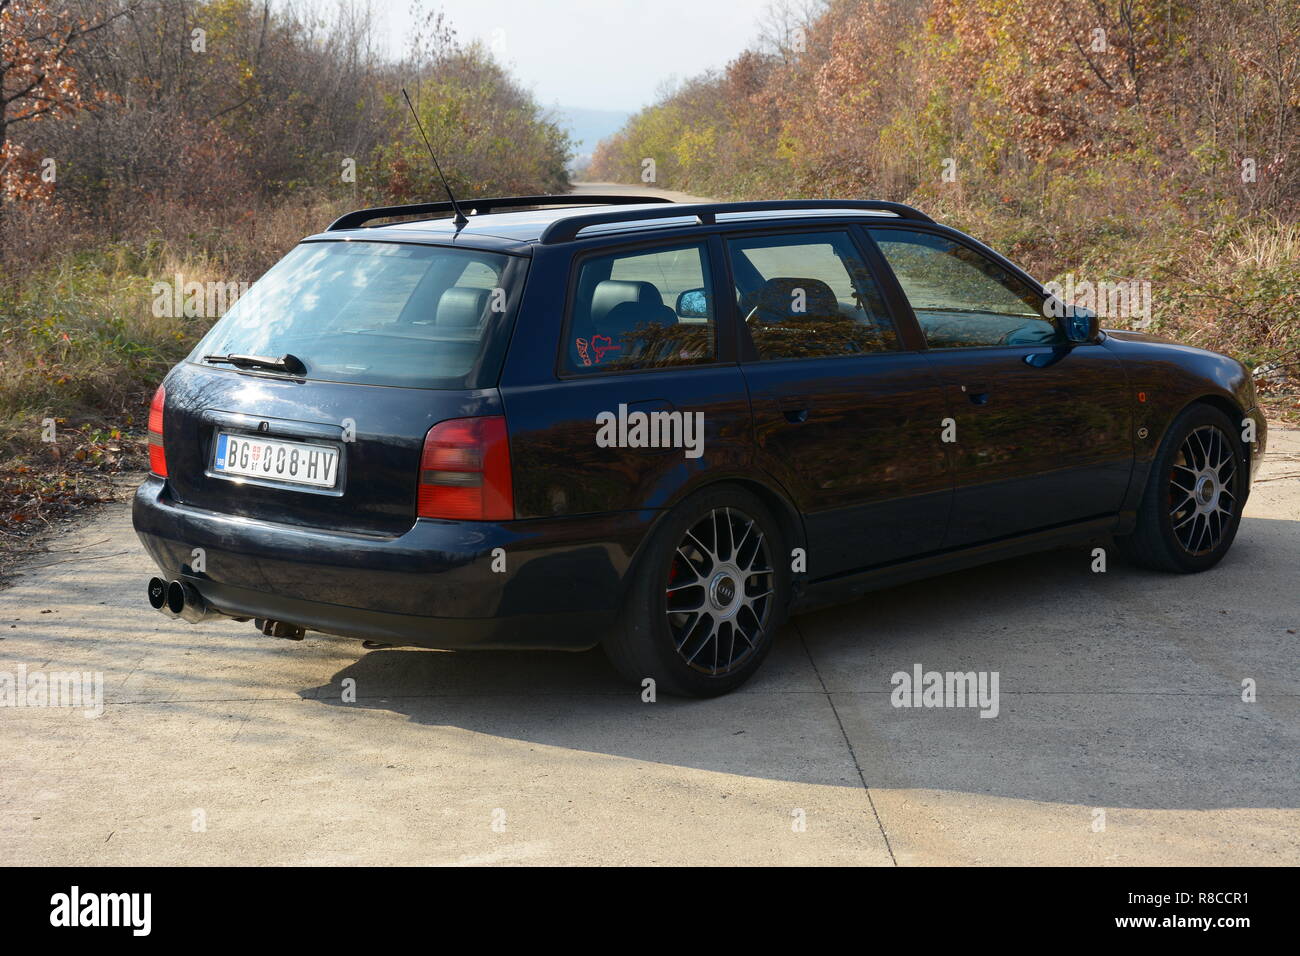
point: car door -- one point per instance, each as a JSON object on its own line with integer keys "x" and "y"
{"x": 846, "y": 411}
{"x": 1041, "y": 427}
{"x": 639, "y": 338}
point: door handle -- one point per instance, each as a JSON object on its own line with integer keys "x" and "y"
{"x": 978, "y": 394}
{"x": 794, "y": 408}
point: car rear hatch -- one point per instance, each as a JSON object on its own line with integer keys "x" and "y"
{"x": 370, "y": 345}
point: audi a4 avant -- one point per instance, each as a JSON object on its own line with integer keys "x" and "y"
{"x": 661, "y": 428}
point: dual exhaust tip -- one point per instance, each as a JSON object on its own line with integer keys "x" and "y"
{"x": 178, "y": 599}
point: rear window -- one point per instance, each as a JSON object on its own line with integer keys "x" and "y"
{"x": 375, "y": 313}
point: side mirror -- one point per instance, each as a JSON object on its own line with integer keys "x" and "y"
{"x": 1080, "y": 324}
{"x": 693, "y": 304}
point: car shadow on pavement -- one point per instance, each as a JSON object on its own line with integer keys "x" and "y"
{"x": 1118, "y": 688}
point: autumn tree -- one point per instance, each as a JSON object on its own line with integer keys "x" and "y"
{"x": 38, "y": 81}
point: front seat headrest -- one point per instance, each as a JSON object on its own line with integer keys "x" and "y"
{"x": 614, "y": 292}
{"x": 776, "y": 298}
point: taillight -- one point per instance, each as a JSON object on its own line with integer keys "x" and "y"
{"x": 465, "y": 471}
{"x": 157, "y": 457}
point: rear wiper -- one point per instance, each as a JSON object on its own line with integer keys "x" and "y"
{"x": 285, "y": 363}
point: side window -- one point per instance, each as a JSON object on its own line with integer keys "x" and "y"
{"x": 961, "y": 298}
{"x": 808, "y": 295}
{"x": 644, "y": 309}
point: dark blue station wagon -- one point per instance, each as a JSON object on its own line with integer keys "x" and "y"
{"x": 662, "y": 428}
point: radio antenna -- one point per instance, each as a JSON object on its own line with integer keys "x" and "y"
{"x": 460, "y": 221}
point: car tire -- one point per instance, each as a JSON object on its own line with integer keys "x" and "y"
{"x": 708, "y": 595}
{"x": 1195, "y": 492}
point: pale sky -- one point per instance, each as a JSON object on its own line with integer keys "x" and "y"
{"x": 597, "y": 54}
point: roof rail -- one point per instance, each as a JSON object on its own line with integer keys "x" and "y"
{"x": 567, "y": 229}
{"x": 360, "y": 217}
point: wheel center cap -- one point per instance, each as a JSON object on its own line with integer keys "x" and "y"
{"x": 1205, "y": 490}
{"x": 723, "y": 591}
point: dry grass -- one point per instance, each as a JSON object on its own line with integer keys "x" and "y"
{"x": 1269, "y": 244}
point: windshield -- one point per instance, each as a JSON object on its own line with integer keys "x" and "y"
{"x": 374, "y": 313}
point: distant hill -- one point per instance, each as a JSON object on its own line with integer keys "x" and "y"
{"x": 587, "y": 128}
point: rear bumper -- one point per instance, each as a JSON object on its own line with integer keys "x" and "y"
{"x": 441, "y": 584}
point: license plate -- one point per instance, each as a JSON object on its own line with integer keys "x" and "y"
{"x": 294, "y": 462}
